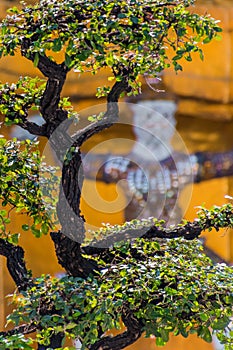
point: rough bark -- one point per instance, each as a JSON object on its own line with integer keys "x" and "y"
{"x": 68, "y": 241}
{"x": 133, "y": 333}
{"x": 16, "y": 264}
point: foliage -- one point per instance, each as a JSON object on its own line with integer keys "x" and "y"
{"x": 170, "y": 285}
{"x": 159, "y": 284}
{"x": 17, "y": 99}
{"x": 129, "y": 37}
{"x": 11, "y": 102}
{"x": 26, "y": 185}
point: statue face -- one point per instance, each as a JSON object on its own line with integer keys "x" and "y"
{"x": 154, "y": 126}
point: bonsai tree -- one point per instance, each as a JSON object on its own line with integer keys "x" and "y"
{"x": 153, "y": 280}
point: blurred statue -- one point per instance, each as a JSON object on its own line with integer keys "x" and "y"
{"x": 155, "y": 173}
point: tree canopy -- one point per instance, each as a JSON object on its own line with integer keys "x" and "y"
{"x": 155, "y": 280}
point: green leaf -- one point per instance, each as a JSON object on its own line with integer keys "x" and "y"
{"x": 207, "y": 40}
{"x": 160, "y": 342}
{"x": 71, "y": 325}
{"x": 36, "y": 59}
{"x": 222, "y": 323}
{"x": 164, "y": 335}
{"x": 68, "y": 61}
{"x": 204, "y": 317}
{"x": 57, "y": 45}
{"x": 15, "y": 238}
{"x": 44, "y": 228}
{"x": 36, "y": 232}
{"x": 206, "y": 335}
{"x": 122, "y": 15}
{"x": 201, "y": 54}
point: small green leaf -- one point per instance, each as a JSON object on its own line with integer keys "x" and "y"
{"x": 57, "y": 45}
{"x": 206, "y": 335}
{"x": 15, "y": 238}
{"x": 36, "y": 59}
{"x": 68, "y": 61}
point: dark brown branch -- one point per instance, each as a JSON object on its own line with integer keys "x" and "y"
{"x": 51, "y": 69}
{"x": 109, "y": 118}
{"x": 33, "y": 128}
{"x": 23, "y": 329}
{"x": 68, "y": 207}
{"x": 16, "y": 264}
{"x": 120, "y": 341}
{"x": 118, "y": 88}
{"x": 189, "y": 231}
{"x": 68, "y": 241}
{"x": 83, "y": 135}
{"x": 70, "y": 257}
{"x": 56, "y": 74}
{"x": 48, "y": 68}
{"x": 51, "y": 98}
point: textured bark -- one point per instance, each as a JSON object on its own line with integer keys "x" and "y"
{"x": 33, "y": 128}
{"x": 109, "y": 118}
{"x": 120, "y": 341}
{"x": 188, "y": 231}
{"x": 68, "y": 207}
{"x": 23, "y": 329}
{"x": 69, "y": 256}
{"x": 51, "y": 98}
{"x": 68, "y": 241}
{"x": 48, "y": 68}
{"x": 16, "y": 264}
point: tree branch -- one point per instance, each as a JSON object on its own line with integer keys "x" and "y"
{"x": 16, "y": 264}
{"x": 68, "y": 241}
{"x": 70, "y": 257}
{"x": 222, "y": 218}
{"x": 110, "y": 117}
{"x": 56, "y": 74}
{"x": 48, "y": 68}
{"x": 22, "y": 329}
{"x": 33, "y": 128}
{"x": 120, "y": 341}
{"x": 68, "y": 207}
{"x": 49, "y": 104}
{"x": 189, "y": 231}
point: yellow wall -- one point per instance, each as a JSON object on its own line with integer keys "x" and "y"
{"x": 211, "y": 79}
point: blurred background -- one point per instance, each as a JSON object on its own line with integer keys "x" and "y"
{"x": 203, "y": 95}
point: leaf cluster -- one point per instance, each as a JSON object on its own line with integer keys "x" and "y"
{"x": 130, "y": 37}
{"x": 26, "y": 186}
{"x": 16, "y": 99}
{"x": 171, "y": 287}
